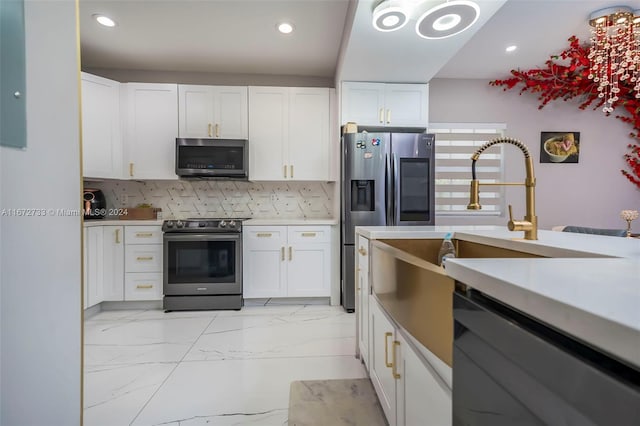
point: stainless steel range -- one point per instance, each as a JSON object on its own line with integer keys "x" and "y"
{"x": 202, "y": 264}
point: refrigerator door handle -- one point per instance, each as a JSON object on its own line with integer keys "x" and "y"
{"x": 387, "y": 189}
{"x": 395, "y": 189}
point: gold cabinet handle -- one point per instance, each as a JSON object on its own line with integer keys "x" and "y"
{"x": 144, "y": 286}
{"x": 362, "y": 251}
{"x": 381, "y": 115}
{"x": 394, "y": 373}
{"x": 282, "y": 253}
{"x": 285, "y": 171}
{"x": 291, "y": 171}
{"x": 388, "y": 116}
{"x": 209, "y": 130}
{"x": 263, "y": 234}
{"x": 386, "y": 349}
{"x": 118, "y": 236}
{"x": 358, "y": 278}
{"x": 144, "y": 234}
{"x": 217, "y": 130}
{"x": 308, "y": 234}
{"x": 130, "y": 169}
{"x": 290, "y": 253}
{"x": 144, "y": 258}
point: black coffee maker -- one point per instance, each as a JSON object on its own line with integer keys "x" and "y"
{"x": 94, "y": 204}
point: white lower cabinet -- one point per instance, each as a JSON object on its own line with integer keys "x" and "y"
{"x": 286, "y": 261}
{"x": 410, "y": 391}
{"x": 362, "y": 297}
{"x": 113, "y": 261}
{"x": 122, "y": 263}
{"x": 93, "y": 266}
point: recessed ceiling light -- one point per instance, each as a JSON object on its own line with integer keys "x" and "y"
{"x": 511, "y": 48}
{"x": 285, "y": 28}
{"x": 104, "y": 20}
{"x": 447, "y": 19}
{"x": 390, "y": 15}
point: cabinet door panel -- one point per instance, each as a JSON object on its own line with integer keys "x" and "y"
{"x": 268, "y": 132}
{"x": 363, "y": 103}
{"x": 195, "y": 108}
{"x": 152, "y": 128}
{"x": 406, "y": 105}
{"x": 113, "y": 263}
{"x": 265, "y": 276}
{"x": 381, "y": 343}
{"x": 423, "y": 398}
{"x": 308, "y": 270}
{"x": 95, "y": 265}
{"x": 231, "y": 112}
{"x": 362, "y": 289}
{"x": 309, "y": 134}
{"x": 101, "y": 136}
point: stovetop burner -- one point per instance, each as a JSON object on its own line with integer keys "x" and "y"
{"x": 227, "y": 225}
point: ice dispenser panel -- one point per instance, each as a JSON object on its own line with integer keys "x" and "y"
{"x": 362, "y": 195}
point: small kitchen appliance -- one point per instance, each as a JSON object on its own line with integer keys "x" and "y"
{"x": 94, "y": 204}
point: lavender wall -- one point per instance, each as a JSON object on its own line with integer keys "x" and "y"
{"x": 590, "y": 193}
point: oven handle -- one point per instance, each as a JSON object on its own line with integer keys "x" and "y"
{"x": 202, "y": 237}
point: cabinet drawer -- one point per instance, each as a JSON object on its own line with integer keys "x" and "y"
{"x": 264, "y": 236}
{"x": 143, "y": 258}
{"x": 309, "y": 234}
{"x": 143, "y": 286}
{"x": 143, "y": 235}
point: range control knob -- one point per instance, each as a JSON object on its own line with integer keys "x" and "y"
{"x": 222, "y": 224}
{"x": 169, "y": 224}
{"x": 180, "y": 224}
{"x": 232, "y": 224}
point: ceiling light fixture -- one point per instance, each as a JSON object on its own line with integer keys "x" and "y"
{"x": 511, "y": 48}
{"x": 104, "y": 20}
{"x": 447, "y": 19}
{"x": 615, "y": 52}
{"x": 285, "y": 28}
{"x": 390, "y": 15}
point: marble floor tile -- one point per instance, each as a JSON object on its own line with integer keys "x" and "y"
{"x": 114, "y": 395}
{"x": 114, "y": 315}
{"x": 138, "y": 341}
{"x": 312, "y": 333}
{"x": 244, "y": 389}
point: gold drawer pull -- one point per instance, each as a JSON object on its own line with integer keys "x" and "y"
{"x": 308, "y": 234}
{"x": 386, "y": 349}
{"x": 144, "y": 286}
{"x": 282, "y": 253}
{"x": 264, "y": 234}
{"x": 217, "y": 130}
{"x": 362, "y": 251}
{"x": 144, "y": 234}
{"x": 117, "y": 236}
{"x": 291, "y": 171}
{"x": 130, "y": 169}
{"x": 393, "y": 360}
{"x": 285, "y": 171}
{"x": 209, "y": 130}
{"x": 144, "y": 258}
{"x": 290, "y": 253}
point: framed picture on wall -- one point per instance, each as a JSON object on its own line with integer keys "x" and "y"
{"x": 559, "y": 147}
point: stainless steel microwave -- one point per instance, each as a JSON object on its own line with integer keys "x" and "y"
{"x": 212, "y": 158}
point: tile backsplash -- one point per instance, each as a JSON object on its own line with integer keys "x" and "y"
{"x": 235, "y": 199}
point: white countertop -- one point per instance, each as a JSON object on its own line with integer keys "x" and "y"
{"x": 589, "y": 289}
{"x": 284, "y": 222}
{"x": 104, "y": 222}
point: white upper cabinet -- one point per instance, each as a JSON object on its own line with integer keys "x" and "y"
{"x": 219, "y": 112}
{"x": 385, "y": 104}
{"x": 151, "y": 129}
{"x": 289, "y": 135}
{"x": 101, "y": 136}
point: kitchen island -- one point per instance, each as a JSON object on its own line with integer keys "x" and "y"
{"x": 582, "y": 286}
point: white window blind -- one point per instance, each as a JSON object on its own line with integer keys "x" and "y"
{"x": 455, "y": 143}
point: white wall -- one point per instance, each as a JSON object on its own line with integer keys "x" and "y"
{"x": 40, "y": 280}
{"x": 590, "y": 193}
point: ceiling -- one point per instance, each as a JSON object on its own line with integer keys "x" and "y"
{"x": 239, "y": 36}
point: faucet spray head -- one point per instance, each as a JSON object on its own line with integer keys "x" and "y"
{"x": 474, "y": 196}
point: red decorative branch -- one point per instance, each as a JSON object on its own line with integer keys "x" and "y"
{"x": 566, "y": 76}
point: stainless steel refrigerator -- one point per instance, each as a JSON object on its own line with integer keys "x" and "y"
{"x": 388, "y": 179}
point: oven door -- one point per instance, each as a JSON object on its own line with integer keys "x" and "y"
{"x": 201, "y": 264}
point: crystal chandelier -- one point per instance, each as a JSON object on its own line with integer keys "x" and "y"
{"x": 615, "y": 52}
